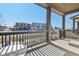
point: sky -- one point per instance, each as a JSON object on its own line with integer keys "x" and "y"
{"x": 12, "y": 13}
{"x": 28, "y": 13}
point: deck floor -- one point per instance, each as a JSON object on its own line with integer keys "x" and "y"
{"x": 49, "y": 50}
{"x": 16, "y": 49}
{"x": 13, "y": 50}
{"x": 65, "y": 44}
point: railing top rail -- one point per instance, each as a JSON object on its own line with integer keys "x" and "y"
{"x": 19, "y": 32}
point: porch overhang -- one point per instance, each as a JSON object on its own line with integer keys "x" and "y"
{"x": 61, "y": 8}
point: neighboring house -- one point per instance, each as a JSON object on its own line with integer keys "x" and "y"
{"x": 22, "y": 26}
{"x": 39, "y": 26}
{"x": 34, "y": 26}
{"x": 4, "y": 28}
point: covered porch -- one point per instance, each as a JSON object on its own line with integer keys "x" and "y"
{"x": 40, "y": 43}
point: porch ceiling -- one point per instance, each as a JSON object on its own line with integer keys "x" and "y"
{"x": 61, "y": 8}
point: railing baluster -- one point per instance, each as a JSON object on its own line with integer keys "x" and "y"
{"x": 2, "y": 41}
{"x": 40, "y": 36}
{"x": 35, "y": 38}
{"x": 16, "y": 41}
{"x": 18, "y": 38}
{"x": 9, "y": 39}
{"x": 13, "y": 39}
{"x": 22, "y": 38}
{"x": 25, "y": 38}
{"x": 5, "y": 40}
{"x": 30, "y": 39}
{"x": 27, "y": 41}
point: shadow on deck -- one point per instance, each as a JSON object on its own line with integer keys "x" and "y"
{"x": 50, "y": 50}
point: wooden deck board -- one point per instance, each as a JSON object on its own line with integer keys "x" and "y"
{"x": 48, "y": 50}
{"x": 12, "y": 49}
